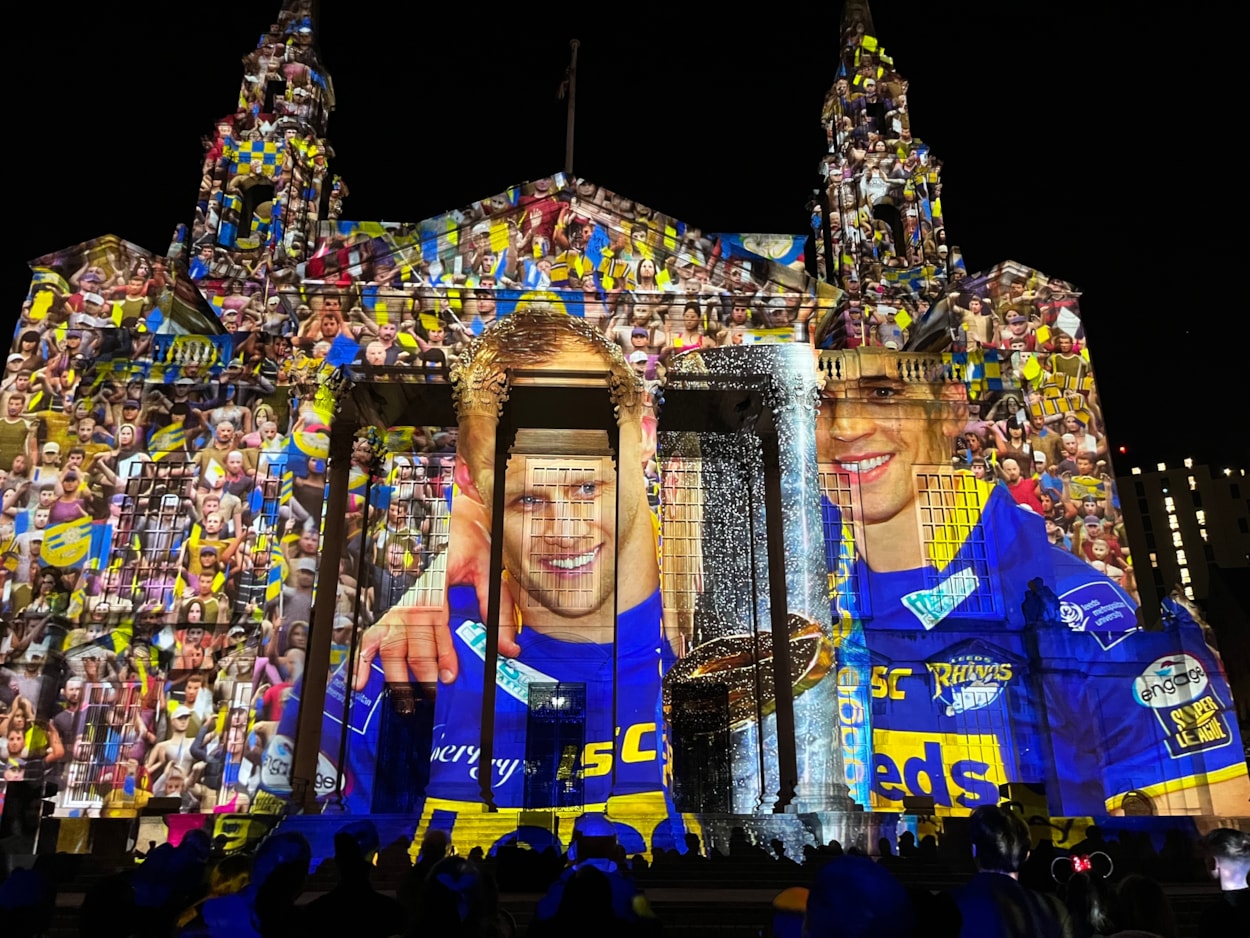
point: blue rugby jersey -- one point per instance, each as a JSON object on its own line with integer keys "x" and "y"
{"x": 1133, "y": 710}
{"x": 637, "y": 751}
{"x": 963, "y": 697}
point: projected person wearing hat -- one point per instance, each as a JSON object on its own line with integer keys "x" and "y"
{"x": 946, "y": 575}
{"x": 563, "y": 545}
{"x": 49, "y": 468}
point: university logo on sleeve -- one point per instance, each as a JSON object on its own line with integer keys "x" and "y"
{"x": 1099, "y": 609}
{"x": 1179, "y": 692}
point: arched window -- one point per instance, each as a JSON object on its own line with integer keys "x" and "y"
{"x": 887, "y": 213}
{"x": 275, "y": 88}
{"x": 254, "y": 193}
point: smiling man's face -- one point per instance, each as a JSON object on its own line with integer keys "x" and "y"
{"x": 879, "y": 430}
{"x": 560, "y": 532}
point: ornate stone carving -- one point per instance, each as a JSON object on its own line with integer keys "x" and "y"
{"x": 529, "y": 338}
{"x": 479, "y": 386}
{"x": 626, "y": 392}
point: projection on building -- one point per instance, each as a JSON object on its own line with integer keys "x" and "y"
{"x": 555, "y": 503}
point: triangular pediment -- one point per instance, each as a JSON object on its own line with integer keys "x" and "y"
{"x": 534, "y": 220}
{"x": 110, "y": 282}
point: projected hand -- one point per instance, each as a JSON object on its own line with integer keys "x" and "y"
{"x": 414, "y": 642}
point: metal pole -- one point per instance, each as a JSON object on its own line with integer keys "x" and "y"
{"x": 570, "y": 80}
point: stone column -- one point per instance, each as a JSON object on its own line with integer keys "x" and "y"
{"x": 480, "y": 387}
{"x": 331, "y": 394}
{"x": 792, "y": 395}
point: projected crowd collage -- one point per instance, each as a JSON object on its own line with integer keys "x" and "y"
{"x": 172, "y": 431}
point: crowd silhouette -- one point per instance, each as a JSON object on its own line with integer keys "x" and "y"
{"x": 985, "y": 882}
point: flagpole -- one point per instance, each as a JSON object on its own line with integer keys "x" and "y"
{"x": 570, "y": 85}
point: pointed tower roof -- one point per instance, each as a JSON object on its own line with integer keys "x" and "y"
{"x": 296, "y": 28}
{"x": 856, "y": 21}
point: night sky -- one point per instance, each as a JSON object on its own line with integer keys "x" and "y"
{"x": 1051, "y": 121}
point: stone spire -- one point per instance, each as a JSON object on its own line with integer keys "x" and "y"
{"x": 882, "y": 191}
{"x": 264, "y": 179}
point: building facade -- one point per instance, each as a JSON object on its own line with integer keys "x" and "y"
{"x": 742, "y": 525}
{"x": 1193, "y": 527}
{"x": 1186, "y": 520}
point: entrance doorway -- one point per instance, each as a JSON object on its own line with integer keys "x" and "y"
{"x": 554, "y": 741}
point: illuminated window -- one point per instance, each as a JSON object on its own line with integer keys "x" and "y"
{"x": 1185, "y": 575}
{"x": 275, "y": 88}
{"x": 150, "y": 533}
{"x": 99, "y": 761}
{"x": 1201, "y": 516}
{"x": 1180, "y": 557}
{"x": 1169, "y": 504}
{"x": 887, "y": 213}
{"x": 953, "y": 541}
{"x": 1154, "y": 558}
{"x": 1189, "y": 591}
{"x": 1177, "y": 540}
{"x": 1189, "y": 464}
{"x": 410, "y": 553}
{"x": 1193, "y": 483}
{"x": 1173, "y": 523}
{"x": 681, "y": 528}
{"x": 1136, "y": 470}
{"x": 844, "y": 574}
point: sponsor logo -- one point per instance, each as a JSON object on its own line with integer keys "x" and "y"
{"x": 931, "y": 606}
{"x": 1072, "y": 615}
{"x": 328, "y": 777}
{"x": 469, "y": 756}
{"x": 959, "y": 772}
{"x": 511, "y": 676}
{"x": 1099, "y": 609}
{"x": 854, "y": 732}
{"x": 1169, "y": 681}
{"x": 279, "y": 761}
{"x": 969, "y": 682}
{"x": 1177, "y": 689}
{"x": 276, "y": 764}
{"x": 1198, "y": 726}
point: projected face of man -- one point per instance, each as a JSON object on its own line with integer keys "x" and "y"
{"x": 560, "y": 534}
{"x": 878, "y": 430}
{"x": 564, "y": 534}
